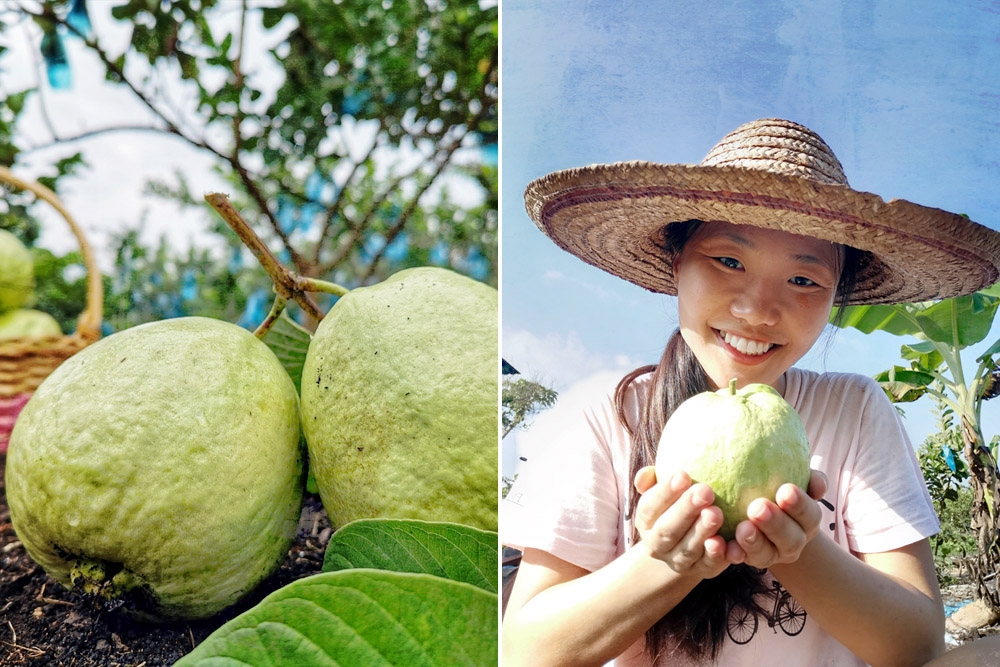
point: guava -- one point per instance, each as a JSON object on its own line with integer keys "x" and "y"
{"x": 160, "y": 469}
{"x": 399, "y": 401}
{"x": 744, "y": 444}
{"x": 27, "y": 323}
{"x": 17, "y": 272}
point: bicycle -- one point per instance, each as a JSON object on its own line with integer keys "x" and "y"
{"x": 786, "y": 613}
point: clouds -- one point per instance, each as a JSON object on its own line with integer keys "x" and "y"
{"x": 558, "y": 359}
{"x": 550, "y": 424}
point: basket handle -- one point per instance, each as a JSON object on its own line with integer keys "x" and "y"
{"x": 89, "y": 323}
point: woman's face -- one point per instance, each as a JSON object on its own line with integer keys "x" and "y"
{"x": 753, "y": 301}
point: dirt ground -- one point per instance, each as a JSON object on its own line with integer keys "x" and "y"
{"x": 42, "y": 624}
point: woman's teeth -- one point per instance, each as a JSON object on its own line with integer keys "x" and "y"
{"x": 745, "y": 345}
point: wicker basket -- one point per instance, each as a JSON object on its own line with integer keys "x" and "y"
{"x": 25, "y": 362}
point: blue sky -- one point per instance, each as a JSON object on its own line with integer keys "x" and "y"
{"x": 907, "y": 93}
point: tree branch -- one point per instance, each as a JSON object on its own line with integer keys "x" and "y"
{"x": 414, "y": 202}
{"x": 97, "y": 132}
{"x": 286, "y": 283}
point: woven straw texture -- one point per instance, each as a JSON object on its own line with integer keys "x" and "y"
{"x": 770, "y": 173}
{"x": 26, "y": 362}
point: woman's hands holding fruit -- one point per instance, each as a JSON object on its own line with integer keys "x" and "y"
{"x": 678, "y": 524}
{"x": 777, "y": 531}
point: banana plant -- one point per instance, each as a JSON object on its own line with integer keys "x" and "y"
{"x": 943, "y": 329}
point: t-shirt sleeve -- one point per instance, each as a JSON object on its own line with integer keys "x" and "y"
{"x": 565, "y": 499}
{"x": 888, "y": 505}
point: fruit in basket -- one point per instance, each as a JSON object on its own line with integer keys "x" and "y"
{"x": 160, "y": 469}
{"x": 399, "y": 401}
{"x": 27, "y": 323}
{"x": 17, "y": 272}
{"x": 744, "y": 444}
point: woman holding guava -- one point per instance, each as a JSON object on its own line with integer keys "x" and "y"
{"x": 759, "y": 242}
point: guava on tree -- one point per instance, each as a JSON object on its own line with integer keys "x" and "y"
{"x": 17, "y": 272}
{"x": 744, "y": 444}
{"x": 27, "y": 323}
{"x": 399, "y": 401}
{"x": 160, "y": 468}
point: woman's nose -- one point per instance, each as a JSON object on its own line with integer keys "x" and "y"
{"x": 756, "y": 305}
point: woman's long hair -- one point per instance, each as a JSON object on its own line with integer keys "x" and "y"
{"x": 696, "y": 627}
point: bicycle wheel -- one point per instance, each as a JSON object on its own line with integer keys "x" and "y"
{"x": 791, "y": 616}
{"x": 741, "y": 625}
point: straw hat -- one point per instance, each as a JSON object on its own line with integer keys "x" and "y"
{"x": 770, "y": 173}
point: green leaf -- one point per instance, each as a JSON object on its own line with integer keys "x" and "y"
{"x": 993, "y": 349}
{"x": 360, "y": 618}
{"x": 449, "y": 550}
{"x": 971, "y": 317}
{"x": 289, "y": 342}
{"x": 925, "y": 354}
{"x": 891, "y": 319}
{"x": 912, "y": 376}
{"x": 903, "y": 385}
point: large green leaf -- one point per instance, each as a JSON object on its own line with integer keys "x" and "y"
{"x": 289, "y": 342}
{"x": 969, "y": 318}
{"x": 992, "y": 291}
{"x": 449, "y": 550}
{"x": 904, "y": 385}
{"x": 359, "y": 618}
{"x": 993, "y": 350}
{"x": 925, "y": 354}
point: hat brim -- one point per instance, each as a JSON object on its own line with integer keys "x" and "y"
{"x": 613, "y": 216}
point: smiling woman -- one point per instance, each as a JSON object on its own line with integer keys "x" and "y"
{"x": 758, "y": 242}
{"x": 751, "y": 305}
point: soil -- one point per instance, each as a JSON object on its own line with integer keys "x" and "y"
{"x": 42, "y": 623}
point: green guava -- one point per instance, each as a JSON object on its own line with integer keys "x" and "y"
{"x": 400, "y": 401}
{"x": 27, "y": 323}
{"x": 160, "y": 469}
{"x": 744, "y": 444}
{"x": 17, "y": 272}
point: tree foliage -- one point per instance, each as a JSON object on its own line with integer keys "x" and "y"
{"x": 944, "y": 329}
{"x": 357, "y": 137}
{"x": 521, "y": 399}
{"x": 947, "y": 477}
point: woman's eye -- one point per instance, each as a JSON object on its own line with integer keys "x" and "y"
{"x": 802, "y": 281}
{"x": 729, "y": 262}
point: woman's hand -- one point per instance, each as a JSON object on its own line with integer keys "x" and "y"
{"x": 678, "y": 523}
{"x": 776, "y": 532}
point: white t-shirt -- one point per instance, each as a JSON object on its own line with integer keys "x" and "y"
{"x": 570, "y": 500}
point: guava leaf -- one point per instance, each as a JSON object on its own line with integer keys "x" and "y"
{"x": 289, "y": 342}
{"x": 449, "y": 550}
{"x": 359, "y": 618}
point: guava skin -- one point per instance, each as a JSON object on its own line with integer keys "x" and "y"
{"x": 27, "y": 323}
{"x": 744, "y": 444}
{"x": 17, "y": 272}
{"x": 399, "y": 401}
{"x": 160, "y": 468}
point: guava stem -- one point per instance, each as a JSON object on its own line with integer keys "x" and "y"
{"x": 732, "y": 387}
{"x": 317, "y": 285}
{"x": 287, "y": 284}
{"x": 272, "y": 316}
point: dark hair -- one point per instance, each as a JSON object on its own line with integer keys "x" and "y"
{"x": 695, "y": 627}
